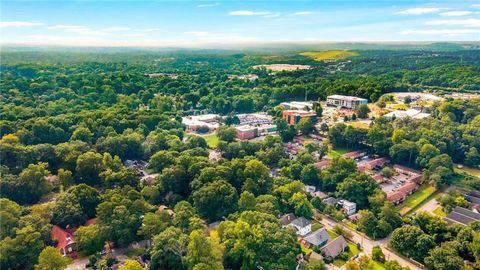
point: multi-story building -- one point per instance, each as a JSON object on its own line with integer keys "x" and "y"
{"x": 345, "y": 101}
{"x": 294, "y": 116}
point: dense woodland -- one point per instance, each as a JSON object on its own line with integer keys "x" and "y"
{"x": 81, "y": 115}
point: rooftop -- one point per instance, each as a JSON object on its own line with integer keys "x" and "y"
{"x": 317, "y": 237}
{"x": 301, "y": 222}
{"x": 350, "y": 98}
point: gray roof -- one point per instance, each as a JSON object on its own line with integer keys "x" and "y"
{"x": 334, "y": 247}
{"x": 317, "y": 237}
{"x": 330, "y": 200}
{"x": 301, "y": 222}
{"x": 462, "y": 215}
{"x": 287, "y": 219}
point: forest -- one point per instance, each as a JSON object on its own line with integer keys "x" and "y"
{"x": 77, "y": 117}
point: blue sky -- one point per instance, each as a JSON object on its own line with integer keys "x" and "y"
{"x": 211, "y": 23}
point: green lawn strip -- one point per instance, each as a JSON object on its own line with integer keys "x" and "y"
{"x": 316, "y": 226}
{"x": 378, "y": 265}
{"x": 439, "y": 212}
{"x": 332, "y": 234}
{"x": 352, "y": 251}
{"x": 468, "y": 170}
{"x": 351, "y": 225}
{"x": 420, "y": 197}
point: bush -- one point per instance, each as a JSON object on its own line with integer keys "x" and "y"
{"x": 377, "y": 254}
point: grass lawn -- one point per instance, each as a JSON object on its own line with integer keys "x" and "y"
{"x": 332, "y": 234}
{"x": 378, "y": 266}
{"x": 439, "y": 212}
{"x": 418, "y": 197}
{"x": 316, "y": 226}
{"x": 337, "y": 152}
{"x": 468, "y": 170}
{"x": 351, "y": 225}
{"x": 352, "y": 251}
{"x": 400, "y": 106}
{"x": 329, "y": 55}
{"x": 306, "y": 250}
{"x": 212, "y": 140}
{"x": 358, "y": 125}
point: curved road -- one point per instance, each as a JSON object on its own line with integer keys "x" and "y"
{"x": 368, "y": 244}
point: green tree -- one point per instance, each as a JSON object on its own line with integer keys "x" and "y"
{"x": 357, "y": 188}
{"x": 51, "y": 259}
{"x": 362, "y": 111}
{"x": 10, "y": 213}
{"x": 246, "y": 201}
{"x": 377, "y": 254}
{"x": 131, "y": 265}
{"x": 65, "y": 178}
{"x": 215, "y": 199}
{"x": 89, "y": 239}
{"x": 88, "y": 169}
{"x": 67, "y": 211}
{"x": 445, "y": 257}
{"x": 258, "y": 180}
{"x": 162, "y": 159}
{"x": 301, "y": 205}
{"x": 169, "y": 249}
{"x": 155, "y": 223}
{"x": 82, "y": 134}
{"x": 205, "y": 251}
{"x": 226, "y": 133}
{"x": 315, "y": 265}
{"x": 88, "y": 198}
{"x": 21, "y": 252}
{"x": 305, "y": 126}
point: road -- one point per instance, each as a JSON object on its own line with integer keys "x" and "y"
{"x": 368, "y": 244}
{"x": 117, "y": 253}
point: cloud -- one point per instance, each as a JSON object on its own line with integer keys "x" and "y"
{"x": 302, "y": 13}
{"x": 440, "y": 32}
{"x": 116, "y": 29}
{"x": 149, "y": 29}
{"x": 79, "y": 29}
{"x": 458, "y": 22}
{"x": 249, "y": 13}
{"x": 476, "y": 5}
{"x": 418, "y": 11}
{"x": 135, "y": 35}
{"x": 456, "y": 13}
{"x": 208, "y": 5}
{"x": 19, "y": 24}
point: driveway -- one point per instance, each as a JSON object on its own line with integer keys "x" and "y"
{"x": 117, "y": 253}
{"x": 368, "y": 244}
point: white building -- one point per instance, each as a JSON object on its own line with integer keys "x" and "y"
{"x": 345, "y": 101}
{"x": 415, "y": 114}
{"x": 195, "y": 121}
{"x": 297, "y": 105}
{"x": 349, "y": 208}
{"x": 302, "y": 225}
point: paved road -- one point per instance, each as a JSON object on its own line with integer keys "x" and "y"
{"x": 368, "y": 244}
{"x": 117, "y": 253}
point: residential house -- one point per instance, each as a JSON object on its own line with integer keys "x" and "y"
{"x": 322, "y": 164}
{"x": 286, "y": 219}
{"x": 317, "y": 238}
{"x": 320, "y": 195}
{"x": 65, "y": 240}
{"x": 376, "y": 163}
{"x": 302, "y": 225}
{"x": 349, "y": 208}
{"x": 335, "y": 247}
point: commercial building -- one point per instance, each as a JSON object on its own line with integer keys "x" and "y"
{"x": 247, "y": 132}
{"x": 297, "y": 105}
{"x": 193, "y": 122}
{"x": 462, "y": 216}
{"x": 415, "y": 114}
{"x": 345, "y": 101}
{"x": 294, "y": 116}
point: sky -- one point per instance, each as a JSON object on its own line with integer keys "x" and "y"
{"x": 238, "y": 23}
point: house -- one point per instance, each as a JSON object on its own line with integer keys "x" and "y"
{"x": 415, "y": 176}
{"x": 294, "y": 116}
{"x": 322, "y": 164}
{"x": 320, "y": 195}
{"x": 65, "y": 240}
{"x": 354, "y": 154}
{"x": 408, "y": 188}
{"x": 335, "y": 247}
{"x": 348, "y": 102}
{"x": 396, "y": 197}
{"x": 309, "y": 189}
{"x": 376, "y": 163}
{"x": 286, "y": 219}
{"x": 330, "y": 201}
{"x": 317, "y": 238}
{"x": 462, "y": 216}
{"x": 302, "y": 225}
{"x": 349, "y": 208}
{"x": 165, "y": 208}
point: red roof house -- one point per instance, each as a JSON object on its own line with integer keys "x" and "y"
{"x": 65, "y": 239}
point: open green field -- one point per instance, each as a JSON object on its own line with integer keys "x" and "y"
{"x": 417, "y": 199}
{"x": 468, "y": 170}
{"x": 329, "y": 55}
{"x": 212, "y": 140}
{"x": 352, "y": 251}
